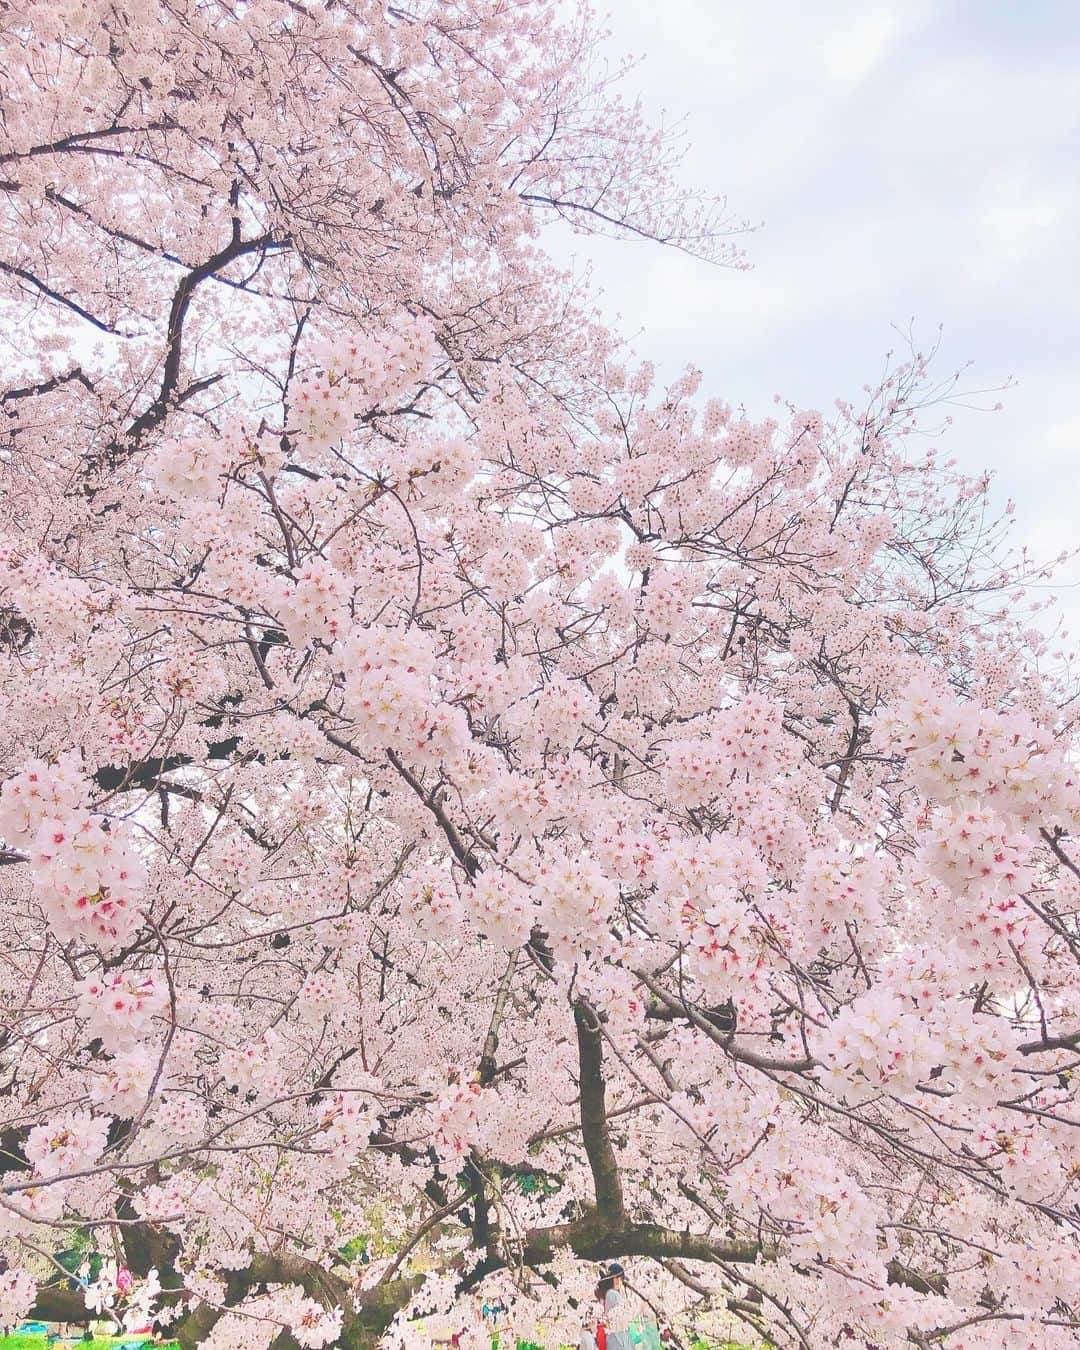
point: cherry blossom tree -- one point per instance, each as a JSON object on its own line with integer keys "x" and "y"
{"x": 468, "y": 813}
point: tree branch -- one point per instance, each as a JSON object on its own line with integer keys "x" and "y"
{"x": 607, "y": 1183}
{"x": 723, "y": 1039}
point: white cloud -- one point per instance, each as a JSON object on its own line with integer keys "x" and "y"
{"x": 910, "y": 160}
{"x": 859, "y": 42}
{"x": 1020, "y": 224}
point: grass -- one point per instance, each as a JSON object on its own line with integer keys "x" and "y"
{"x": 36, "y": 1341}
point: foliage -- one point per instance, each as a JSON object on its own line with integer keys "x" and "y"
{"x": 356, "y": 1249}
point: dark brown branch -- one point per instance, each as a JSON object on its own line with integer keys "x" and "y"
{"x": 47, "y": 386}
{"x": 1068, "y": 1042}
{"x": 461, "y": 851}
{"x": 182, "y": 296}
{"x": 607, "y": 1184}
{"x": 60, "y": 299}
{"x": 724, "y": 1039}
{"x": 491, "y": 1040}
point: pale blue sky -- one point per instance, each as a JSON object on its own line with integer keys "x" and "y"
{"x": 910, "y": 160}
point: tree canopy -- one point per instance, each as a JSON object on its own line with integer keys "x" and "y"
{"x": 459, "y": 794}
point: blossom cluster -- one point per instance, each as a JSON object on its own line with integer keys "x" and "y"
{"x": 346, "y": 1123}
{"x": 455, "y": 1119}
{"x": 120, "y": 1006}
{"x": 18, "y": 1290}
{"x": 49, "y": 600}
{"x": 68, "y": 1143}
{"x": 312, "y": 606}
{"x": 88, "y": 877}
{"x": 886, "y": 1041}
{"x": 359, "y": 374}
{"x": 745, "y": 740}
{"x": 501, "y": 908}
{"x": 117, "y": 1291}
{"x": 820, "y": 1211}
{"x": 390, "y": 691}
{"x": 957, "y": 751}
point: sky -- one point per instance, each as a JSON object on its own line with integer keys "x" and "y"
{"x": 915, "y": 163}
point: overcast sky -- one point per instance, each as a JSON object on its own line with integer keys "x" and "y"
{"x": 911, "y": 160}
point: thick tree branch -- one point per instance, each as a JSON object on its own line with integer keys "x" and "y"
{"x": 60, "y": 299}
{"x": 491, "y": 1040}
{"x": 724, "y": 1039}
{"x": 595, "y": 1133}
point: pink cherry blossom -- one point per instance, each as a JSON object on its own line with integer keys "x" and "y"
{"x": 460, "y": 792}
